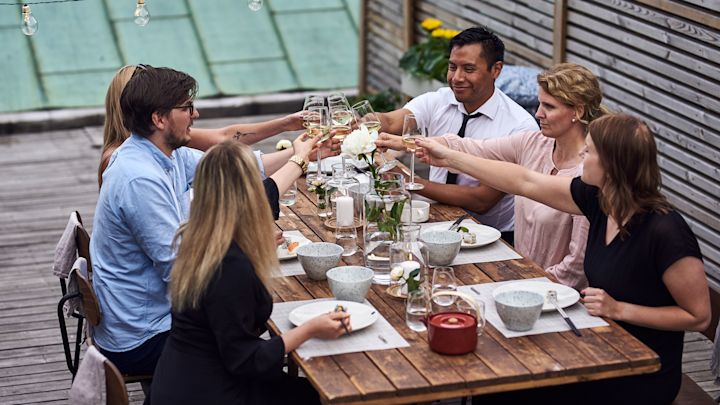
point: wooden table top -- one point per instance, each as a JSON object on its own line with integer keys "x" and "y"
{"x": 417, "y": 374}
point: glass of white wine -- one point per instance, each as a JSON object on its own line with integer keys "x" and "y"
{"x": 365, "y": 115}
{"x": 342, "y": 120}
{"x": 411, "y": 132}
{"x": 318, "y": 125}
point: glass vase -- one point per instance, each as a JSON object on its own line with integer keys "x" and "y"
{"x": 407, "y": 255}
{"x": 384, "y": 204}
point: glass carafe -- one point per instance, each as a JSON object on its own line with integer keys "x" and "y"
{"x": 383, "y": 208}
{"x": 407, "y": 255}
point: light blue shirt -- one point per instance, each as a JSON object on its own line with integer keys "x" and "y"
{"x": 144, "y": 197}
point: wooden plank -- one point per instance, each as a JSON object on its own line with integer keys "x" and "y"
{"x": 362, "y": 48}
{"x": 559, "y": 31}
{"x": 679, "y": 9}
{"x": 408, "y": 23}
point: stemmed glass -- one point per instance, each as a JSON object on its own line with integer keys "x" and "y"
{"x": 365, "y": 115}
{"x": 342, "y": 119}
{"x": 411, "y": 132}
{"x": 317, "y": 122}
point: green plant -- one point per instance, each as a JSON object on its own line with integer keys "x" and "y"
{"x": 383, "y": 101}
{"x": 429, "y": 58}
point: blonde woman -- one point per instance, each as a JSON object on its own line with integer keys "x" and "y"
{"x": 642, "y": 260}
{"x": 115, "y": 133}
{"x": 220, "y": 292}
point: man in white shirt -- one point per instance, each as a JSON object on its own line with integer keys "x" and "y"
{"x": 472, "y": 106}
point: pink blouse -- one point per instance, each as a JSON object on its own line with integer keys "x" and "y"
{"x": 555, "y": 240}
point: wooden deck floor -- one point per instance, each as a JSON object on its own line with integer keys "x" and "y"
{"x": 43, "y": 177}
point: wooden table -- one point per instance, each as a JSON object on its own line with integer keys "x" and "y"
{"x": 416, "y": 374}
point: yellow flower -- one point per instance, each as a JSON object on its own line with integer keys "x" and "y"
{"x": 450, "y": 34}
{"x": 430, "y": 24}
{"x": 438, "y": 33}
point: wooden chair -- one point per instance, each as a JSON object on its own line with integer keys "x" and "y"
{"x": 691, "y": 393}
{"x": 115, "y": 385}
{"x": 82, "y": 240}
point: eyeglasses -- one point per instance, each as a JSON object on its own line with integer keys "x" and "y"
{"x": 189, "y": 107}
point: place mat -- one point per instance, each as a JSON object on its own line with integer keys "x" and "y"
{"x": 358, "y": 341}
{"x": 494, "y": 252}
{"x": 550, "y": 321}
{"x": 292, "y": 267}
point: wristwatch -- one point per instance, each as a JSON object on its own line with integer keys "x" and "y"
{"x": 300, "y": 162}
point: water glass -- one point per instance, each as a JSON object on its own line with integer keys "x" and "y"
{"x": 444, "y": 280}
{"x": 416, "y": 310}
{"x": 289, "y": 196}
{"x": 346, "y": 237}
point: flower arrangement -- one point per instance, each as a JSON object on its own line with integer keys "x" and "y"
{"x": 360, "y": 144}
{"x": 429, "y": 59}
{"x": 400, "y": 275}
{"x": 318, "y": 186}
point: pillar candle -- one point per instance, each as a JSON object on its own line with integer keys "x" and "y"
{"x": 344, "y": 207}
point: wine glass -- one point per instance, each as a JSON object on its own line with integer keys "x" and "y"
{"x": 318, "y": 125}
{"x": 444, "y": 280}
{"x": 342, "y": 119}
{"x": 365, "y": 115}
{"x": 411, "y": 132}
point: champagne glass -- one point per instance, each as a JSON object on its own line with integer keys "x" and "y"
{"x": 365, "y": 115}
{"x": 411, "y": 132}
{"x": 342, "y": 120}
{"x": 318, "y": 125}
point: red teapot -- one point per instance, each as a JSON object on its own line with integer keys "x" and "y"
{"x": 455, "y": 332}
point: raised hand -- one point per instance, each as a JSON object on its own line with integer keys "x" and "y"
{"x": 433, "y": 152}
{"x": 387, "y": 141}
{"x": 302, "y": 145}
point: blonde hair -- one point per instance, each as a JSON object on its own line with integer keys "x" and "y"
{"x": 114, "y": 132}
{"x": 229, "y": 204}
{"x": 575, "y": 86}
{"x": 628, "y": 154}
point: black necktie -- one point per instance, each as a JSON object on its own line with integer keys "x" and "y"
{"x": 452, "y": 177}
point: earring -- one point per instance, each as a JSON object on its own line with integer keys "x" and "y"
{"x": 573, "y": 120}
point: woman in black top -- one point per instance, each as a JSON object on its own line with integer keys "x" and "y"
{"x": 642, "y": 261}
{"x": 220, "y": 295}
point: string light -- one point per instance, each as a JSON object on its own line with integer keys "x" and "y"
{"x": 29, "y": 23}
{"x": 142, "y": 16}
{"x": 255, "y": 5}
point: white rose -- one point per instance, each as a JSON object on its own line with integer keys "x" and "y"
{"x": 359, "y": 142}
{"x": 397, "y": 273}
{"x": 283, "y": 144}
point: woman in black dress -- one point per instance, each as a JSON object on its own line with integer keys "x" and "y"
{"x": 642, "y": 261}
{"x": 220, "y": 296}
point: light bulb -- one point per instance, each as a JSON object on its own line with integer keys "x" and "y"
{"x": 255, "y": 5}
{"x": 142, "y": 15}
{"x": 29, "y": 23}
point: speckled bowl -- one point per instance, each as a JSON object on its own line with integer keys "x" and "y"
{"x": 519, "y": 310}
{"x": 317, "y": 258}
{"x": 350, "y": 283}
{"x": 443, "y": 246}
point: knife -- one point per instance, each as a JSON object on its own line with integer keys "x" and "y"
{"x": 552, "y": 297}
{"x": 457, "y": 222}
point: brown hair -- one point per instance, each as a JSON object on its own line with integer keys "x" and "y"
{"x": 114, "y": 132}
{"x": 575, "y": 86}
{"x": 229, "y": 204}
{"x": 628, "y": 155}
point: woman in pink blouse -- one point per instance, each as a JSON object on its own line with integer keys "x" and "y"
{"x": 570, "y": 98}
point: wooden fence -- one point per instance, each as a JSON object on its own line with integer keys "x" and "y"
{"x": 657, "y": 59}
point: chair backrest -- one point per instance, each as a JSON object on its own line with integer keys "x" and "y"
{"x": 714, "y": 314}
{"x": 115, "y": 385}
{"x": 90, "y": 306}
{"x": 82, "y": 240}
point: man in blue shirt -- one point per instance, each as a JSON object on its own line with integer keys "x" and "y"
{"x": 144, "y": 197}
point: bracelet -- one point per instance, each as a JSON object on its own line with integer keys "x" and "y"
{"x": 300, "y": 162}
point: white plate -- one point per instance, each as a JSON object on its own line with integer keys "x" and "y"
{"x": 485, "y": 235}
{"x": 329, "y": 161}
{"x": 361, "y": 315}
{"x": 566, "y": 296}
{"x": 284, "y": 254}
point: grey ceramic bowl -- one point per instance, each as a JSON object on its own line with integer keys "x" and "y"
{"x": 319, "y": 257}
{"x": 350, "y": 283}
{"x": 519, "y": 310}
{"x": 443, "y": 246}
